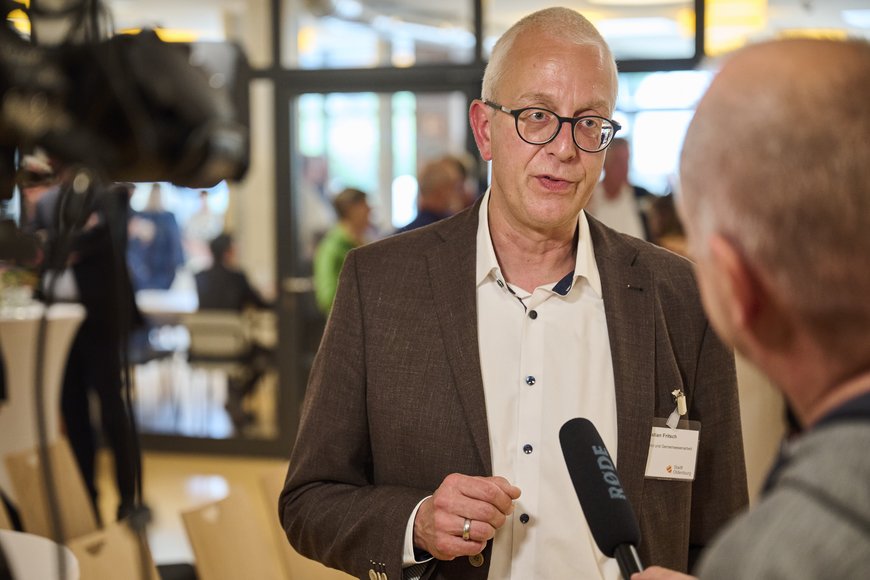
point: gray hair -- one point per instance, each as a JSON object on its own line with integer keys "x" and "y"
{"x": 564, "y": 23}
{"x": 777, "y": 159}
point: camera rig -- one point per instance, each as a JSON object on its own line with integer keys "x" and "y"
{"x": 129, "y": 107}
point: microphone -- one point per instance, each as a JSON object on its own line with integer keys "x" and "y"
{"x": 608, "y": 512}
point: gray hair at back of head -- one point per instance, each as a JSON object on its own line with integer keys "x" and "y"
{"x": 563, "y": 23}
{"x": 780, "y": 163}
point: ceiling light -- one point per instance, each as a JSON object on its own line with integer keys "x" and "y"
{"x": 632, "y": 27}
{"x": 638, "y": 2}
{"x": 730, "y": 23}
{"x": 167, "y": 34}
{"x": 856, "y": 18}
{"x": 817, "y": 33}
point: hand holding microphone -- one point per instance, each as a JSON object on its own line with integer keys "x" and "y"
{"x": 610, "y": 516}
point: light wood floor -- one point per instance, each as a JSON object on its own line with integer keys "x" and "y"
{"x": 174, "y": 483}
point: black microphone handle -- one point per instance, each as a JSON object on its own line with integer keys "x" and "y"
{"x": 628, "y": 560}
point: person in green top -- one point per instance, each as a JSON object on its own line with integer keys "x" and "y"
{"x": 352, "y": 208}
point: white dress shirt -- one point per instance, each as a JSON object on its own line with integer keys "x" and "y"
{"x": 545, "y": 359}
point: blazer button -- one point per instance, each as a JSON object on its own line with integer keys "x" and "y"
{"x": 476, "y": 560}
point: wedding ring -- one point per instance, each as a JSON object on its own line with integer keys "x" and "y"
{"x": 466, "y": 530}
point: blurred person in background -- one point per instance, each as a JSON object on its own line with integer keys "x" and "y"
{"x": 315, "y": 213}
{"x": 615, "y": 201}
{"x": 440, "y": 193}
{"x": 353, "y": 211}
{"x": 202, "y": 227}
{"x": 777, "y": 221}
{"x": 466, "y": 166}
{"x": 224, "y": 286}
{"x": 95, "y": 276}
{"x": 154, "y": 250}
{"x": 665, "y": 227}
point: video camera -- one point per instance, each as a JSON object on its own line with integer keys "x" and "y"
{"x": 132, "y": 108}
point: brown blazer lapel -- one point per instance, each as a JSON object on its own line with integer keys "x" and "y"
{"x": 629, "y": 307}
{"x": 452, "y": 268}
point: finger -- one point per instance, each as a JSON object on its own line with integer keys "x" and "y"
{"x": 485, "y": 490}
{"x": 457, "y": 508}
{"x": 477, "y": 498}
{"x": 478, "y": 530}
{"x": 513, "y": 491}
{"x": 450, "y": 547}
{"x": 481, "y": 511}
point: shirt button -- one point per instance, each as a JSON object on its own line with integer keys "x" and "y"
{"x": 533, "y": 314}
{"x": 524, "y": 518}
{"x": 527, "y": 449}
{"x": 530, "y": 380}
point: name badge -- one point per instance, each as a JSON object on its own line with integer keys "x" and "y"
{"x": 673, "y": 452}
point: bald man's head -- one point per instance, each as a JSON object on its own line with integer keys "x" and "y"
{"x": 440, "y": 186}
{"x": 777, "y": 159}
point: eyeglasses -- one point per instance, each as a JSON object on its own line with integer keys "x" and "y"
{"x": 538, "y": 126}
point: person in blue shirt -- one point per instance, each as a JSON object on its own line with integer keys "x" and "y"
{"x": 154, "y": 250}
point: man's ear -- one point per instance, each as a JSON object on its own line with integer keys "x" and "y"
{"x": 754, "y": 312}
{"x": 478, "y": 116}
{"x": 740, "y": 284}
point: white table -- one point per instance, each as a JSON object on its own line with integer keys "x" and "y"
{"x": 166, "y": 306}
{"x": 19, "y": 329}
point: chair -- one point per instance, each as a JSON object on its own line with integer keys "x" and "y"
{"x": 228, "y": 543}
{"x": 295, "y": 565}
{"x": 5, "y": 520}
{"x": 219, "y": 343}
{"x": 155, "y": 357}
{"x": 218, "y": 338}
{"x": 76, "y": 512}
{"x": 111, "y": 553}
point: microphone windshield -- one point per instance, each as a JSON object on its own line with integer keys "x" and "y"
{"x": 608, "y": 512}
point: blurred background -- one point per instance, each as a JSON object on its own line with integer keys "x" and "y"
{"x": 362, "y": 94}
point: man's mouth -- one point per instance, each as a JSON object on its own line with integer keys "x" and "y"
{"x": 553, "y": 181}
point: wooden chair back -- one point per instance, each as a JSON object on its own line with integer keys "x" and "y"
{"x": 228, "y": 543}
{"x": 113, "y": 552}
{"x": 76, "y": 512}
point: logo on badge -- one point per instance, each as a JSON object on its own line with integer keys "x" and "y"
{"x": 669, "y": 468}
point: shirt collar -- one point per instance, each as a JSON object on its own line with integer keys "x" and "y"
{"x": 584, "y": 265}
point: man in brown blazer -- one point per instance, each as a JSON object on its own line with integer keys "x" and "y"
{"x": 428, "y": 446}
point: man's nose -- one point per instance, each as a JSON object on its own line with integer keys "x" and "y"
{"x": 563, "y": 143}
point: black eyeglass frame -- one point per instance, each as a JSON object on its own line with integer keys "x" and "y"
{"x": 515, "y": 113}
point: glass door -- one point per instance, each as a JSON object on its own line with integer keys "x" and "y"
{"x": 375, "y": 142}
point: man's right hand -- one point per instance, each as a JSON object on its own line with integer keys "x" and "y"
{"x": 485, "y": 501}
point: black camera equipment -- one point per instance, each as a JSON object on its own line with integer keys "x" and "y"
{"x": 128, "y": 108}
{"x": 132, "y": 107}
